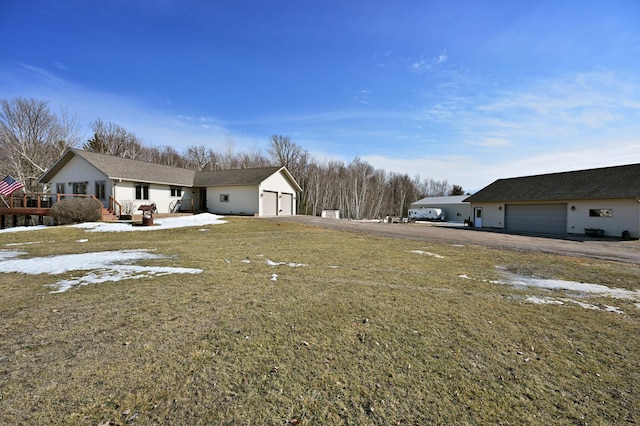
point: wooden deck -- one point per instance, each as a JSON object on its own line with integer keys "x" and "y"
{"x": 39, "y": 205}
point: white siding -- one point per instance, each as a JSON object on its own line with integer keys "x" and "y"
{"x": 125, "y": 193}
{"x": 492, "y": 214}
{"x": 242, "y": 200}
{"x": 78, "y": 170}
{"x": 280, "y": 184}
{"x": 625, "y": 217}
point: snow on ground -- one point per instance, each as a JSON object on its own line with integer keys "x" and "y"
{"x": 201, "y": 219}
{"x": 561, "y": 301}
{"x": 22, "y": 228}
{"x": 158, "y": 224}
{"x": 571, "y": 287}
{"x": 594, "y": 289}
{"x": 437, "y": 256}
{"x": 97, "y": 267}
{"x": 291, "y": 264}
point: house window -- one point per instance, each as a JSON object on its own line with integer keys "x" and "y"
{"x": 176, "y": 191}
{"x": 224, "y": 198}
{"x": 80, "y": 188}
{"x": 142, "y": 192}
{"x": 99, "y": 190}
{"x": 600, "y": 212}
{"x": 59, "y": 188}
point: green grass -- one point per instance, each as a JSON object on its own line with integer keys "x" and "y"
{"x": 366, "y": 333}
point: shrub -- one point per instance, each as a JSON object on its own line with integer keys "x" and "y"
{"x": 76, "y": 210}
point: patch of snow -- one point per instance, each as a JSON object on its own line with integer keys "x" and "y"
{"x": 543, "y": 301}
{"x": 464, "y": 276}
{"x": 102, "y": 266}
{"x": 84, "y": 240}
{"x": 551, "y": 301}
{"x": 9, "y": 254}
{"x": 427, "y": 253}
{"x": 291, "y": 264}
{"x": 164, "y": 223}
{"x": 595, "y": 289}
{"x": 274, "y": 277}
{"x": 22, "y": 228}
{"x": 23, "y": 244}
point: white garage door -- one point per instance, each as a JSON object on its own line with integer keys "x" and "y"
{"x": 270, "y": 203}
{"x": 542, "y": 218}
{"x": 286, "y": 204}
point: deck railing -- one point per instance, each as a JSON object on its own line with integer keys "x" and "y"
{"x": 40, "y": 201}
{"x": 114, "y": 206}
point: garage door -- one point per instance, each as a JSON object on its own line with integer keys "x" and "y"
{"x": 270, "y": 203}
{"x": 543, "y": 218}
{"x": 286, "y": 204}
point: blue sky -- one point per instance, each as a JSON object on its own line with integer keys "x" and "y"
{"x": 463, "y": 91}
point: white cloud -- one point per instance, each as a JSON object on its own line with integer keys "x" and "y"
{"x": 475, "y": 172}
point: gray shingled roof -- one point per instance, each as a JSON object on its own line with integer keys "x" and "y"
{"x": 234, "y": 177}
{"x": 126, "y": 169}
{"x": 606, "y": 182}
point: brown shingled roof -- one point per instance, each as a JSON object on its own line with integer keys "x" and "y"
{"x": 606, "y": 182}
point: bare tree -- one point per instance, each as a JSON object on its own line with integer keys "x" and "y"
{"x": 197, "y": 157}
{"x": 286, "y": 153}
{"x": 32, "y": 138}
{"x": 169, "y": 156}
{"x": 113, "y": 139}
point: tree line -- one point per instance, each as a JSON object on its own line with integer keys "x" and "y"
{"x": 32, "y": 138}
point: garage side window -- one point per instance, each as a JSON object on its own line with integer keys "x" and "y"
{"x": 600, "y": 212}
{"x": 224, "y": 198}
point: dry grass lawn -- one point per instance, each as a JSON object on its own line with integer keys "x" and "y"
{"x": 367, "y": 332}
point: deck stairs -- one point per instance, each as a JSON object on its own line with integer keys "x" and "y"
{"x": 108, "y": 215}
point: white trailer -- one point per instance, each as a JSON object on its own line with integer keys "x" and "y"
{"x": 426, "y": 213}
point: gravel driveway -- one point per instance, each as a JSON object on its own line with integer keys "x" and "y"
{"x": 569, "y": 245}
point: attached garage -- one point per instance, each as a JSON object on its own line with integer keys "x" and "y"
{"x": 270, "y": 203}
{"x": 542, "y": 218}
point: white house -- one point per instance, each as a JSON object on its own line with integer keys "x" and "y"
{"x": 123, "y": 183}
{"x": 602, "y": 201}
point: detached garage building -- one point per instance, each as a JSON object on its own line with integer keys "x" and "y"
{"x": 604, "y": 201}
{"x": 455, "y": 208}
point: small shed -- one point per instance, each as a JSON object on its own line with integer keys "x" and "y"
{"x": 331, "y": 213}
{"x": 454, "y": 206}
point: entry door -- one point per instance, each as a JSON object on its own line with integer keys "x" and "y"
{"x": 477, "y": 217}
{"x": 203, "y": 199}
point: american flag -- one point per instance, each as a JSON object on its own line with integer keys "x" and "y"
{"x": 9, "y": 185}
